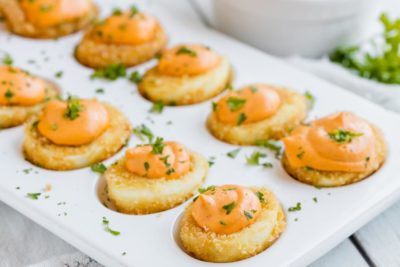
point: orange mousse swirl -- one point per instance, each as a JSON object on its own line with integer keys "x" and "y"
{"x": 339, "y": 142}
{"x": 226, "y": 209}
{"x": 50, "y": 13}
{"x": 168, "y": 160}
{"x": 188, "y": 60}
{"x": 125, "y": 28}
{"x": 19, "y": 88}
{"x": 73, "y": 122}
{"x": 247, "y": 105}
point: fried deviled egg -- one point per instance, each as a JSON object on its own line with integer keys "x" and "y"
{"x": 126, "y": 37}
{"x": 47, "y": 18}
{"x": 154, "y": 177}
{"x": 256, "y": 112}
{"x": 230, "y": 223}
{"x": 22, "y": 95}
{"x": 186, "y": 74}
{"x": 335, "y": 150}
{"x": 74, "y": 134}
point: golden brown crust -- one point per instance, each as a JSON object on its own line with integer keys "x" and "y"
{"x": 186, "y": 90}
{"x": 17, "y": 23}
{"x": 249, "y": 241}
{"x": 292, "y": 112}
{"x": 97, "y": 55}
{"x": 338, "y": 178}
{"x": 15, "y": 115}
{"x": 133, "y": 194}
{"x": 43, "y": 153}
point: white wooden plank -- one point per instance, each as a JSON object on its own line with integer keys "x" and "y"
{"x": 345, "y": 254}
{"x": 381, "y": 238}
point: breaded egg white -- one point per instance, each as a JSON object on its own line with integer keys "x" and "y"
{"x": 249, "y": 241}
{"x": 98, "y": 55}
{"x": 14, "y": 115}
{"x": 338, "y": 178}
{"x": 186, "y": 90}
{"x": 133, "y": 194}
{"x": 292, "y": 112}
{"x": 18, "y": 24}
{"x": 43, "y": 153}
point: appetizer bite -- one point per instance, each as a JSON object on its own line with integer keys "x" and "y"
{"x": 75, "y": 133}
{"x": 126, "y": 37}
{"x": 47, "y": 18}
{"x": 335, "y": 150}
{"x": 186, "y": 74}
{"x": 155, "y": 177}
{"x": 230, "y": 223}
{"x": 256, "y": 112}
{"x": 22, "y": 95}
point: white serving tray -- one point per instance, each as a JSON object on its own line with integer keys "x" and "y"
{"x": 149, "y": 240}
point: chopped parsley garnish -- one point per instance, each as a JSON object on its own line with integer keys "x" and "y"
{"x": 254, "y": 158}
{"x": 117, "y": 12}
{"x": 165, "y": 161}
{"x": 158, "y": 146}
{"x": 221, "y": 222}
{"x": 260, "y": 196}
{"x": 295, "y": 208}
{"x": 8, "y": 94}
{"x": 267, "y": 165}
{"x": 108, "y": 229}
{"x": 99, "y": 91}
{"x": 211, "y": 161}
{"x": 74, "y": 107}
{"x": 235, "y": 103}
{"x": 209, "y": 188}
{"x": 135, "y": 77}
{"x": 310, "y": 99}
{"x": 183, "y": 50}
{"x": 146, "y": 166}
{"x": 142, "y": 132}
{"x": 229, "y": 207}
{"x": 315, "y": 199}
{"x": 170, "y": 171}
{"x": 242, "y": 117}
{"x": 157, "y": 107}
{"x": 273, "y": 145}
{"x": 308, "y": 168}
{"x": 134, "y": 10}
{"x": 248, "y": 215}
{"x": 7, "y": 60}
{"x": 111, "y": 72}
{"x": 214, "y": 106}
{"x": 232, "y": 154}
{"x": 34, "y": 196}
{"x": 98, "y": 167}
{"x": 59, "y": 74}
{"x": 300, "y": 154}
{"x": 343, "y": 136}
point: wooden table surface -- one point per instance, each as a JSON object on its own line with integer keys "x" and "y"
{"x": 378, "y": 242}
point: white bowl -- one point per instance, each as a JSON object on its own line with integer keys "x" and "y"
{"x": 285, "y": 27}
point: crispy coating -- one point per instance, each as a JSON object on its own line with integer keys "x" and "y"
{"x": 97, "y": 55}
{"x": 43, "y": 153}
{"x": 133, "y": 194}
{"x": 15, "y": 115}
{"x": 249, "y": 241}
{"x": 185, "y": 90}
{"x": 17, "y": 23}
{"x": 339, "y": 178}
{"x": 292, "y": 112}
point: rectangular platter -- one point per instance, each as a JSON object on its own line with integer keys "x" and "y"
{"x": 74, "y": 212}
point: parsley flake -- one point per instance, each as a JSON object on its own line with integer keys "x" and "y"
{"x": 242, "y": 117}
{"x": 248, "y": 215}
{"x": 98, "y": 167}
{"x": 229, "y": 207}
{"x": 111, "y": 72}
{"x": 254, "y": 158}
{"x": 135, "y": 77}
{"x": 184, "y": 50}
{"x": 74, "y": 107}
{"x": 158, "y": 146}
{"x": 235, "y": 103}
{"x": 343, "y": 136}
{"x": 142, "y": 132}
{"x": 232, "y": 154}
{"x": 295, "y": 208}
{"x": 108, "y": 229}
{"x": 34, "y": 196}
{"x": 157, "y": 107}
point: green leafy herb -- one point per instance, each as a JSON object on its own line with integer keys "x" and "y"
{"x": 254, "y": 158}
{"x": 59, "y": 74}
{"x": 98, "y": 167}
{"x": 343, "y": 136}
{"x": 235, "y": 103}
{"x": 134, "y": 10}
{"x": 157, "y": 107}
{"x": 8, "y": 94}
{"x": 273, "y": 145}
{"x": 295, "y": 208}
{"x": 146, "y": 166}
{"x": 34, "y": 196}
{"x": 242, "y": 117}
{"x": 7, "y": 60}
{"x": 211, "y": 161}
{"x": 229, "y": 207}
{"x": 267, "y": 165}
{"x": 135, "y": 77}
{"x": 379, "y": 58}
{"x": 300, "y": 154}
{"x": 222, "y": 222}
{"x": 248, "y": 215}
{"x": 100, "y": 91}
{"x": 142, "y": 132}
{"x": 108, "y": 229}
{"x": 260, "y": 196}
{"x": 315, "y": 199}
{"x": 232, "y": 154}
{"x": 111, "y": 72}
{"x": 214, "y": 106}
{"x": 117, "y": 12}
{"x": 209, "y": 188}
{"x": 158, "y": 146}
{"x": 183, "y": 50}
{"x": 310, "y": 99}
{"x": 74, "y": 107}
